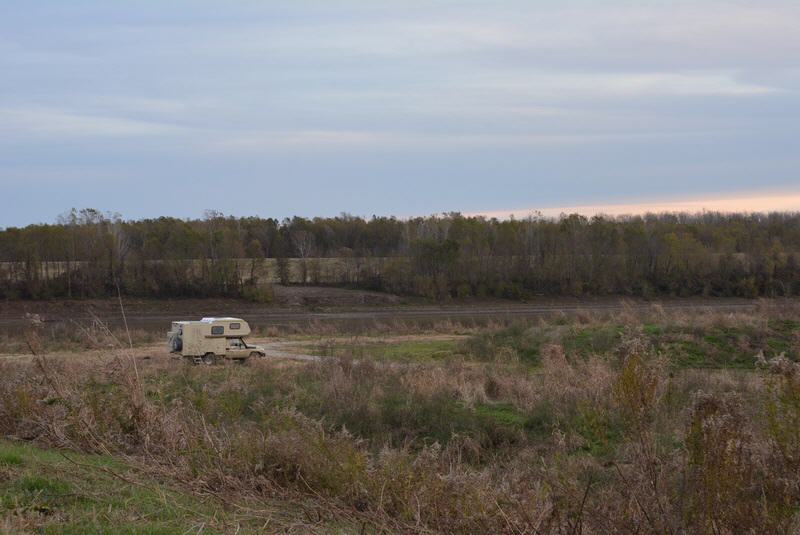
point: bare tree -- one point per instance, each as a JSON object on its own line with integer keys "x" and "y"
{"x": 306, "y": 244}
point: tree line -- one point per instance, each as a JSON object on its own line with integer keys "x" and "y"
{"x": 87, "y": 253}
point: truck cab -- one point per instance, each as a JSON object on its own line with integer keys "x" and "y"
{"x": 239, "y": 349}
{"x": 212, "y": 340}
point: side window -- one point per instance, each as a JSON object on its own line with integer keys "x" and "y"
{"x": 217, "y": 329}
{"x": 235, "y": 326}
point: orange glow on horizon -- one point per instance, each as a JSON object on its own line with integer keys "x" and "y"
{"x": 763, "y": 202}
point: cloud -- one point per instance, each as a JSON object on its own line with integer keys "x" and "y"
{"x": 258, "y": 141}
{"x": 655, "y": 32}
{"x": 599, "y": 85}
{"x": 17, "y": 55}
{"x": 563, "y": 101}
{"x": 65, "y": 124}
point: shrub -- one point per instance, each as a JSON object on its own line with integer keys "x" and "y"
{"x": 730, "y": 489}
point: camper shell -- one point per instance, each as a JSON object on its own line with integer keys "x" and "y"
{"x": 212, "y": 339}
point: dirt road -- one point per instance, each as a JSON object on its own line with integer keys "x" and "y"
{"x": 285, "y": 349}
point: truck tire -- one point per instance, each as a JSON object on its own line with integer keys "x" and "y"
{"x": 255, "y": 355}
{"x": 209, "y": 359}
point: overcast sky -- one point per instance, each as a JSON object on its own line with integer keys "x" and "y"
{"x": 406, "y": 107}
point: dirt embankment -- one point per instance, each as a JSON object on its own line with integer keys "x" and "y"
{"x": 319, "y": 296}
{"x": 286, "y": 299}
{"x": 295, "y": 305}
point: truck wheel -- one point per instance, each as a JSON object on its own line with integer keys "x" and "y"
{"x": 255, "y": 355}
{"x": 209, "y": 359}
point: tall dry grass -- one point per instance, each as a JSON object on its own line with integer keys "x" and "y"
{"x": 573, "y": 445}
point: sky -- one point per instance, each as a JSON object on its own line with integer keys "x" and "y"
{"x": 406, "y": 108}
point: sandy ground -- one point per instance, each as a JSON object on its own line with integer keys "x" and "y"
{"x": 275, "y": 348}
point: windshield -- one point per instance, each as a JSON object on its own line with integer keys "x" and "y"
{"x": 237, "y": 343}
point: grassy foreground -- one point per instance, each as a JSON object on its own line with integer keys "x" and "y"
{"x": 624, "y": 424}
{"x": 50, "y": 491}
{"x": 57, "y": 491}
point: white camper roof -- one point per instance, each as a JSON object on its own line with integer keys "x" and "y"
{"x": 218, "y": 327}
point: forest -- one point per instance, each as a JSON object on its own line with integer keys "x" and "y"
{"x": 89, "y": 254}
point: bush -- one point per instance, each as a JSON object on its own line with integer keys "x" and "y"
{"x": 730, "y": 488}
{"x": 258, "y": 294}
{"x": 523, "y": 341}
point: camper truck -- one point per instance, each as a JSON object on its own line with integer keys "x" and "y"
{"x": 211, "y": 340}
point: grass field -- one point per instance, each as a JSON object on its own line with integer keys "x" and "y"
{"x": 665, "y": 422}
{"x": 51, "y": 491}
{"x": 414, "y": 350}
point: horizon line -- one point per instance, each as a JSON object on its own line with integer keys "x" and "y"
{"x": 787, "y": 202}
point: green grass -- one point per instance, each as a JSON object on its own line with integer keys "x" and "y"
{"x": 501, "y": 413}
{"x": 685, "y": 353}
{"x": 586, "y": 341}
{"x": 601, "y": 431}
{"x": 732, "y": 347}
{"x": 651, "y": 329}
{"x": 784, "y": 326}
{"x": 8, "y": 458}
{"x": 415, "y": 350}
{"x": 524, "y": 342}
{"x": 376, "y": 407}
{"x": 726, "y": 346}
{"x": 43, "y": 491}
{"x": 406, "y": 351}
